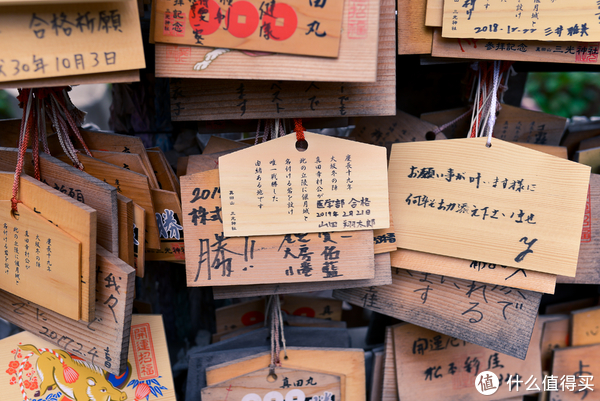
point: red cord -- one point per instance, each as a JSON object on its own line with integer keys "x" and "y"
{"x": 299, "y": 129}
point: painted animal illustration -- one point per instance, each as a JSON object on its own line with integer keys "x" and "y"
{"x": 79, "y": 380}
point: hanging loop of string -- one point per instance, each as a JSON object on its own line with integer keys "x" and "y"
{"x": 299, "y": 129}
{"x": 486, "y": 99}
{"x": 438, "y": 130}
{"x": 276, "y": 321}
{"x": 37, "y": 104}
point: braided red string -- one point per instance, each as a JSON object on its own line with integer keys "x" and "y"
{"x": 299, "y": 129}
{"x": 24, "y": 143}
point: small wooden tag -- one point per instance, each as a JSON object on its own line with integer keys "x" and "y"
{"x": 102, "y": 342}
{"x": 585, "y": 326}
{"x": 450, "y": 366}
{"x": 214, "y": 259}
{"x": 555, "y": 335}
{"x": 125, "y": 206}
{"x": 573, "y": 52}
{"x": 383, "y": 276}
{"x": 384, "y": 131}
{"x": 334, "y": 185}
{"x": 169, "y": 220}
{"x": 42, "y": 261}
{"x": 575, "y": 367}
{"x": 163, "y": 172}
{"x": 483, "y": 314}
{"x": 556, "y": 21}
{"x": 512, "y": 124}
{"x": 288, "y": 384}
{"x": 289, "y": 26}
{"x": 128, "y": 161}
{"x": 471, "y": 269}
{"x": 139, "y": 239}
{"x": 505, "y": 204}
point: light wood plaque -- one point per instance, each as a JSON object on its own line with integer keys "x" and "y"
{"x": 41, "y": 261}
{"x": 289, "y": 26}
{"x": 449, "y": 366}
{"x": 346, "y": 362}
{"x": 471, "y": 269}
{"x": 213, "y": 259}
{"x": 572, "y": 52}
{"x": 74, "y": 218}
{"x": 522, "y": 20}
{"x": 514, "y": 200}
{"x": 334, "y": 185}
{"x": 53, "y": 42}
{"x": 356, "y": 61}
{"x": 383, "y": 276}
{"x": 103, "y": 341}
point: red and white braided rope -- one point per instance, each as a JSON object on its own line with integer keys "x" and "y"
{"x": 25, "y": 398}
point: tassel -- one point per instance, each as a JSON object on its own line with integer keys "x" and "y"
{"x": 70, "y": 374}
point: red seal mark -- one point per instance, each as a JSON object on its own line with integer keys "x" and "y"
{"x": 143, "y": 352}
{"x": 358, "y": 19}
{"x": 587, "y": 52}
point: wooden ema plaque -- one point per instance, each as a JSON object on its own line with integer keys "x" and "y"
{"x": 449, "y": 367}
{"x": 587, "y": 267}
{"x": 505, "y": 204}
{"x": 483, "y": 314}
{"x": 289, "y": 26}
{"x": 73, "y": 218}
{"x": 334, "y": 185}
{"x": 77, "y": 185}
{"x": 346, "y": 363}
{"x": 522, "y": 20}
{"x": 413, "y": 36}
{"x": 555, "y": 335}
{"x": 42, "y": 263}
{"x": 55, "y": 41}
{"x": 356, "y": 61}
{"x": 195, "y": 99}
{"x": 575, "y": 369}
{"x": 513, "y": 124}
{"x": 382, "y": 276}
{"x": 573, "y": 52}
{"x": 384, "y": 131}
{"x": 40, "y": 370}
{"x": 213, "y": 259}
{"x": 470, "y": 269}
{"x": 585, "y": 326}
{"x": 125, "y": 207}
{"x": 128, "y": 183}
{"x": 103, "y": 341}
{"x": 286, "y": 384}
{"x": 102, "y": 77}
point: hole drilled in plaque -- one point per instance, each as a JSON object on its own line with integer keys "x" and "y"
{"x": 271, "y": 377}
{"x": 301, "y": 145}
{"x": 430, "y": 136}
